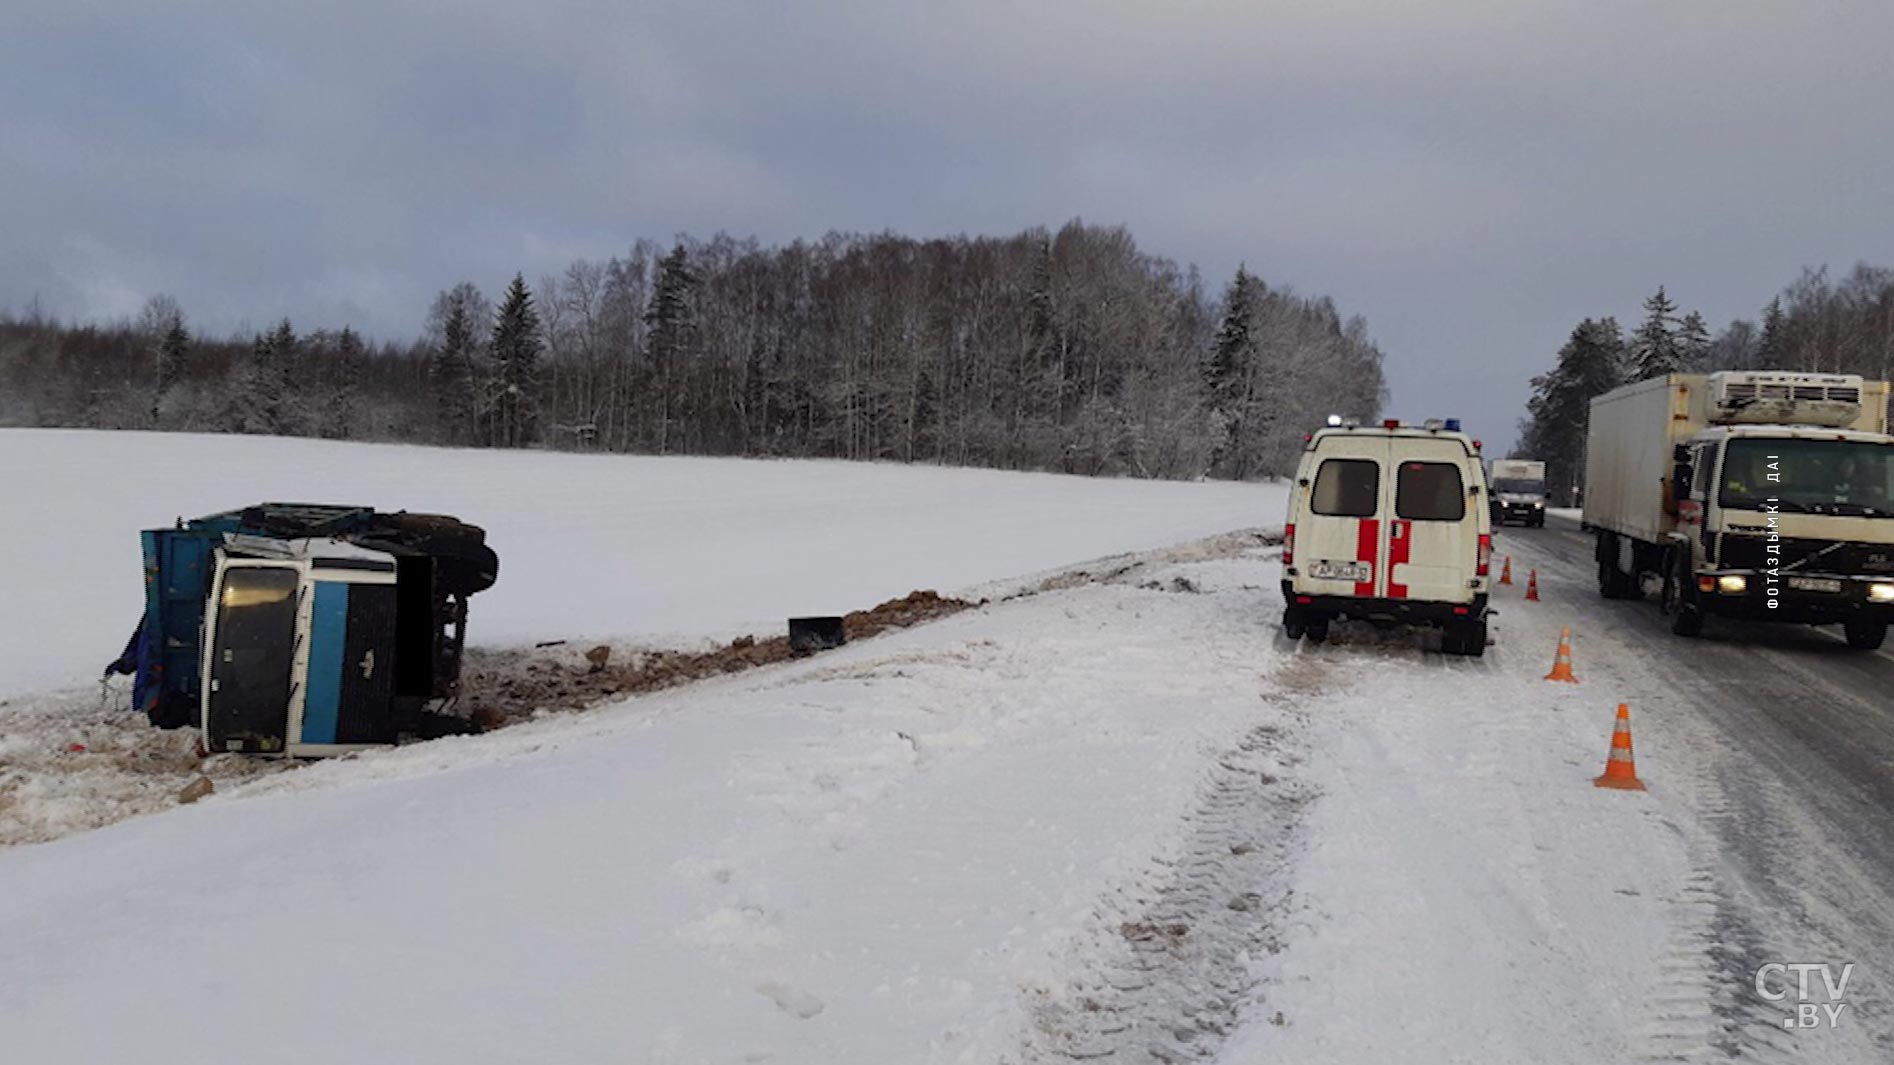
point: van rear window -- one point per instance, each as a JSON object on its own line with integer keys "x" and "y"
{"x": 1346, "y": 488}
{"x": 1429, "y": 491}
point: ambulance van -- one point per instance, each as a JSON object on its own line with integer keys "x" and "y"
{"x": 1389, "y": 524}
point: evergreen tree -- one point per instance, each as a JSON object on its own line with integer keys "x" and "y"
{"x": 1693, "y": 343}
{"x": 455, "y": 365}
{"x": 516, "y": 346}
{"x": 263, "y": 402}
{"x": 1041, "y": 397}
{"x": 286, "y": 350}
{"x": 1654, "y": 350}
{"x": 1560, "y": 408}
{"x": 1772, "y": 352}
{"x": 671, "y": 333}
{"x": 174, "y": 353}
{"x": 341, "y": 416}
{"x": 1231, "y": 372}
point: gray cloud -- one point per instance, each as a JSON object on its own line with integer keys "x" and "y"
{"x": 1472, "y": 176}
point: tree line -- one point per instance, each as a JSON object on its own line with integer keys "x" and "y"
{"x": 1815, "y": 324}
{"x": 1071, "y": 350}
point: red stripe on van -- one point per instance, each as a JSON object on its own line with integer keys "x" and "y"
{"x": 1400, "y": 541}
{"x": 1367, "y": 549}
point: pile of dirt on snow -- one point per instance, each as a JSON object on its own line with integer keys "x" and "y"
{"x": 502, "y": 687}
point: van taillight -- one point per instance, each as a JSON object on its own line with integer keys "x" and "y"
{"x": 1486, "y": 555}
{"x": 1288, "y": 544}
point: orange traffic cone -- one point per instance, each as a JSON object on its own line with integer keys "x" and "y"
{"x": 1532, "y": 585}
{"x": 1506, "y": 571}
{"x": 1562, "y": 662}
{"x": 1621, "y": 770}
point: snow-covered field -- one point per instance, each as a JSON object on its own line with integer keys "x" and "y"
{"x": 589, "y": 545}
{"x": 1110, "y": 815}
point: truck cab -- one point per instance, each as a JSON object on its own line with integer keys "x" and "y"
{"x": 1389, "y": 524}
{"x": 303, "y": 653}
{"x": 1786, "y": 523}
{"x": 299, "y": 629}
{"x": 1518, "y": 491}
{"x": 1759, "y": 495}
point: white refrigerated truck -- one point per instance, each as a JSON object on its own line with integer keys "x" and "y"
{"x": 1760, "y": 494}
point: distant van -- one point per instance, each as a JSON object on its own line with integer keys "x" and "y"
{"x": 1389, "y": 524}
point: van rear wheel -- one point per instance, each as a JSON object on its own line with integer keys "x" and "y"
{"x": 1463, "y": 638}
{"x": 1317, "y": 631}
{"x": 1292, "y": 624}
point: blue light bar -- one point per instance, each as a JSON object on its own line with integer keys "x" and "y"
{"x": 1453, "y": 425}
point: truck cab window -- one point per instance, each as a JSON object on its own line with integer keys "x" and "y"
{"x": 1346, "y": 488}
{"x": 1429, "y": 491}
{"x": 1842, "y": 477}
{"x": 253, "y": 650}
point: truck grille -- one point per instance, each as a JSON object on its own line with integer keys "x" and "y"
{"x": 1740, "y": 551}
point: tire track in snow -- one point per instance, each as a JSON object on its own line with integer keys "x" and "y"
{"x": 1171, "y": 969}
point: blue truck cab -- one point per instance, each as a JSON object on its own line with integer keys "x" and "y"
{"x": 306, "y": 630}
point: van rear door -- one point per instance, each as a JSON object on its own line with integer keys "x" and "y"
{"x": 1433, "y": 530}
{"x": 1340, "y": 534}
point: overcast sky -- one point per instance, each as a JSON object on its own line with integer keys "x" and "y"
{"x": 1472, "y": 176}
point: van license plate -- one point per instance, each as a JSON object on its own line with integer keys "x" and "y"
{"x": 1815, "y": 584}
{"x": 1342, "y": 571}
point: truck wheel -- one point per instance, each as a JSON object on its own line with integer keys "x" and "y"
{"x": 1611, "y": 583}
{"x": 1679, "y": 598}
{"x": 1607, "y": 587}
{"x": 1292, "y": 624}
{"x": 1865, "y": 635}
{"x": 1317, "y": 631}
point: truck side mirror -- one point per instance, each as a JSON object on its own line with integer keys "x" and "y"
{"x": 1680, "y": 481}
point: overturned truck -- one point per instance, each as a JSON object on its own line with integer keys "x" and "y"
{"x": 306, "y": 629}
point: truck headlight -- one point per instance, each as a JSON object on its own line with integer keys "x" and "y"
{"x": 1734, "y": 584}
{"x": 1881, "y": 592}
{"x": 1536, "y": 504}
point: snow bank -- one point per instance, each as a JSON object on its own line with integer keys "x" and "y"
{"x": 589, "y": 545}
{"x": 871, "y": 856}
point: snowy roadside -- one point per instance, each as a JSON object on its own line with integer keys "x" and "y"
{"x": 1117, "y": 816}
{"x": 909, "y": 849}
{"x": 659, "y": 558}
{"x": 77, "y": 760}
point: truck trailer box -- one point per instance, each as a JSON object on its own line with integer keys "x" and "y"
{"x": 1520, "y": 469}
{"x": 1634, "y": 429}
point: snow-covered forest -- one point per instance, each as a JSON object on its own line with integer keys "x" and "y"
{"x": 1072, "y": 350}
{"x": 1815, "y": 324}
